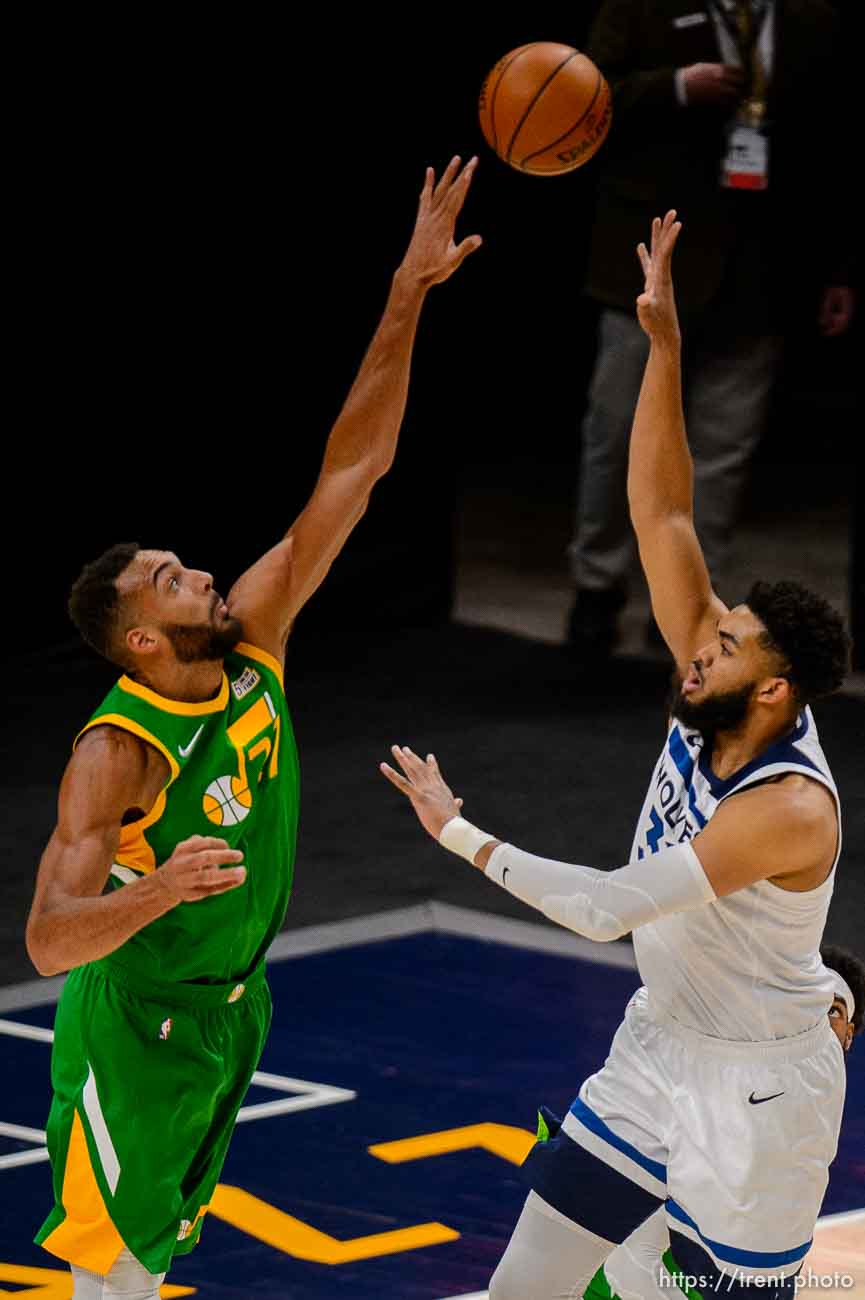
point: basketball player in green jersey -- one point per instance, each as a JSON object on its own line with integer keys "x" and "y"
{"x": 169, "y": 870}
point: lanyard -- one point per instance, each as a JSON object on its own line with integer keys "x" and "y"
{"x": 745, "y": 23}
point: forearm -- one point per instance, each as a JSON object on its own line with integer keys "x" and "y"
{"x": 67, "y": 931}
{"x": 600, "y": 905}
{"x": 368, "y": 426}
{"x": 660, "y": 468}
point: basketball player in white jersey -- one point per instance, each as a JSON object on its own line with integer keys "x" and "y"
{"x": 721, "y": 1097}
{"x": 642, "y": 1266}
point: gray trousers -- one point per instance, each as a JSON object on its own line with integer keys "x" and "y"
{"x": 728, "y": 384}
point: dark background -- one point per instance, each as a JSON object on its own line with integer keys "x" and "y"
{"x": 209, "y": 213}
{"x": 213, "y": 214}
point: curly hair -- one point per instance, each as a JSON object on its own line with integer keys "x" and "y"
{"x": 806, "y": 632}
{"x": 850, "y": 968}
{"x": 94, "y": 601}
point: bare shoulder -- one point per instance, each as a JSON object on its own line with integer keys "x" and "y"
{"x": 785, "y": 831}
{"x": 258, "y": 597}
{"x": 111, "y": 767}
{"x": 792, "y": 803}
{"x": 808, "y": 802}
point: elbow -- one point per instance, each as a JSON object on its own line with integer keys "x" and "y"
{"x": 577, "y": 912}
{"x": 380, "y": 464}
{"x": 39, "y": 953}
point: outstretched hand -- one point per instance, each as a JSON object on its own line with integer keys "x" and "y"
{"x": 656, "y": 305}
{"x": 432, "y": 256}
{"x": 424, "y": 787}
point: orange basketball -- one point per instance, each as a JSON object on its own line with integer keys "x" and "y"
{"x": 545, "y": 108}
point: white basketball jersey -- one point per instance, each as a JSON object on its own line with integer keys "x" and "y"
{"x": 745, "y": 967}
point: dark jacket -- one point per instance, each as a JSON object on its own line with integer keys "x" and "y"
{"x": 659, "y": 155}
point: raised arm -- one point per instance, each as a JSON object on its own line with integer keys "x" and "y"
{"x": 71, "y": 921}
{"x": 660, "y": 469}
{"x": 362, "y": 443}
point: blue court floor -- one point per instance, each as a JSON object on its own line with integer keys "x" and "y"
{"x": 437, "y": 1036}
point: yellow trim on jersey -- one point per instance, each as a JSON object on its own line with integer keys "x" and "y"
{"x": 176, "y": 706}
{"x": 86, "y": 1237}
{"x": 260, "y": 656}
{"x": 129, "y": 724}
{"x": 133, "y": 849}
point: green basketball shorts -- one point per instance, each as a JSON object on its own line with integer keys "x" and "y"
{"x": 147, "y": 1080}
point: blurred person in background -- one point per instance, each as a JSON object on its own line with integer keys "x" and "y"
{"x": 731, "y": 111}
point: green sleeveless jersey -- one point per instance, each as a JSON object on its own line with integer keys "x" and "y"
{"x": 234, "y": 774}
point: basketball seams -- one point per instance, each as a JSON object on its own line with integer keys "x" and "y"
{"x": 532, "y": 128}
{"x": 599, "y": 85}
{"x": 516, "y": 54}
{"x": 519, "y": 126}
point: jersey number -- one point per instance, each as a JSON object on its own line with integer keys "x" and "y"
{"x": 248, "y": 726}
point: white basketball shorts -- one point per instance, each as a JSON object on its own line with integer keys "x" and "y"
{"x": 735, "y": 1138}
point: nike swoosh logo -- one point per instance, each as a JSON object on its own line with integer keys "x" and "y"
{"x": 185, "y": 751}
{"x": 758, "y": 1101}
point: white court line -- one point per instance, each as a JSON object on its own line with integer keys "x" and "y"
{"x": 36, "y": 1032}
{"x": 398, "y": 923}
{"x": 845, "y": 1216}
{"x": 306, "y": 1095}
{"x": 19, "y": 1131}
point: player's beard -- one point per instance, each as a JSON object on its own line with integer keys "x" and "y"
{"x": 722, "y": 712}
{"x": 195, "y": 642}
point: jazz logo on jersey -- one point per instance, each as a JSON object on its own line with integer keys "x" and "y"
{"x": 246, "y": 682}
{"x": 227, "y": 800}
{"x": 165, "y": 1028}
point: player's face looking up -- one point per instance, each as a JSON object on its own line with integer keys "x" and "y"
{"x": 731, "y": 674}
{"x": 168, "y": 606}
{"x": 841, "y": 1024}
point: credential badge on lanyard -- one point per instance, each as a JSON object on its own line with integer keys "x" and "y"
{"x": 745, "y": 164}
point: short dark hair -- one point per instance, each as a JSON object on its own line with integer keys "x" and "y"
{"x": 851, "y": 969}
{"x": 94, "y": 601}
{"x": 806, "y": 632}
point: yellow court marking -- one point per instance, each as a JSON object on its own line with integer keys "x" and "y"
{"x": 503, "y": 1140}
{"x": 294, "y": 1237}
{"x": 56, "y": 1284}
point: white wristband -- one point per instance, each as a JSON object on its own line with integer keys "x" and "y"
{"x": 461, "y": 837}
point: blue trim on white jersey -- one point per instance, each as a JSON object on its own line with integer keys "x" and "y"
{"x": 681, "y": 757}
{"x": 732, "y": 1254}
{"x": 783, "y": 751}
{"x": 596, "y": 1125}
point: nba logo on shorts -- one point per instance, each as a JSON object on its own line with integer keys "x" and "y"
{"x": 185, "y": 1229}
{"x": 165, "y": 1028}
{"x": 237, "y": 992}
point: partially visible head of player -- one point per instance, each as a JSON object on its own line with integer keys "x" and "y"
{"x": 780, "y": 650}
{"x": 849, "y": 974}
{"x": 136, "y": 606}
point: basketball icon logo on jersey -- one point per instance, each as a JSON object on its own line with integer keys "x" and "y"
{"x": 165, "y": 1028}
{"x": 227, "y": 800}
